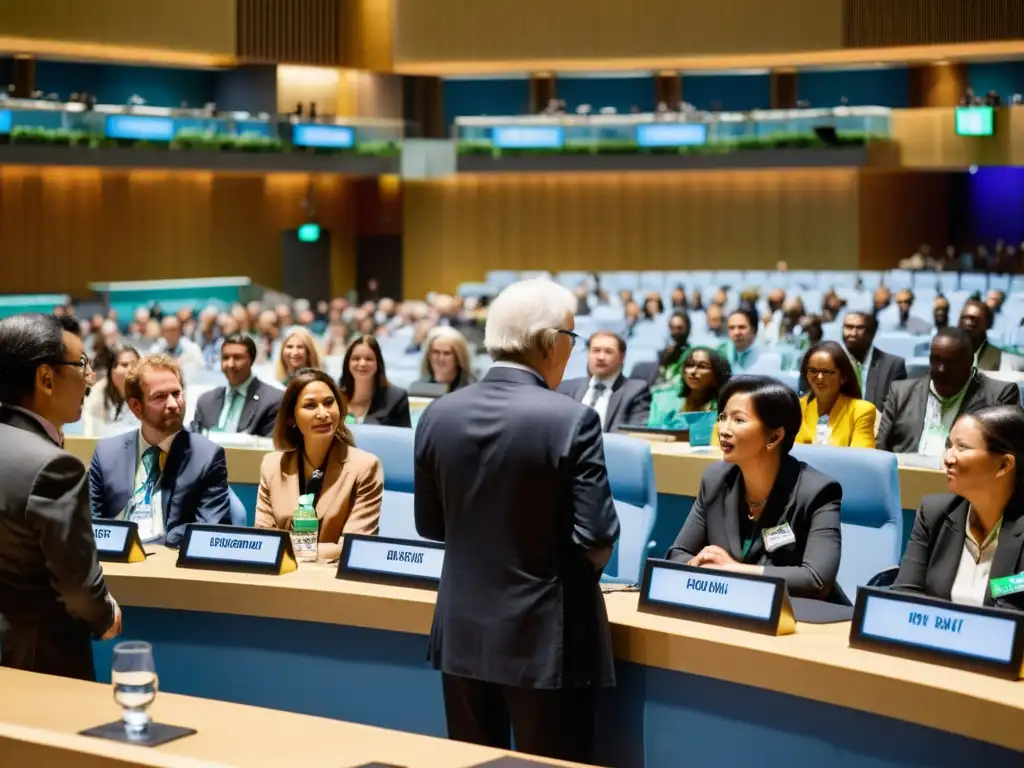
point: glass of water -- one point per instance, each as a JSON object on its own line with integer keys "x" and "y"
{"x": 134, "y": 677}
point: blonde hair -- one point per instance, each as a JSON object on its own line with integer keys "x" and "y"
{"x": 159, "y": 362}
{"x": 312, "y": 352}
{"x": 459, "y": 347}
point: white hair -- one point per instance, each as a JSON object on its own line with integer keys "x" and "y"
{"x": 527, "y": 315}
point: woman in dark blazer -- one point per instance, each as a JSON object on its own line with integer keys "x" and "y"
{"x": 364, "y": 382}
{"x": 760, "y": 510}
{"x": 965, "y": 539}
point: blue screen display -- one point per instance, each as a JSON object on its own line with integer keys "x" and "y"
{"x": 140, "y": 128}
{"x": 329, "y": 136}
{"x": 671, "y": 135}
{"x": 6, "y": 120}
{"x": 528, "y": 137}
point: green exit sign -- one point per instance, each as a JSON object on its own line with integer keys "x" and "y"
{"x": 309, "y": 233}
{"x": 975, "y": 121}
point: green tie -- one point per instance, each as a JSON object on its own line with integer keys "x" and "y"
{"x": 234, "y": 412}
{"x": 859, "y": 370}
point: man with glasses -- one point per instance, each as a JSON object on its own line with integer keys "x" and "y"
{"x": 876, "y": 370}
{"x": 511, "y": 476}
{"x": 616, "y": 399}
{"x": 52, "y": 595}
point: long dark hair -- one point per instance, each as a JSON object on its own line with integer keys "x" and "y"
{"x": 720, "y": 370}
{"x": 1003, "y": 429}
{"x": 287, "y": 436}
{"x": 347, "y": 382}
{"x": 850, "y": 387}
{"x": 111, "y": 397}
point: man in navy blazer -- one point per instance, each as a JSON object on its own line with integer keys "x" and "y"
{"x": 616, "y": 399}
{"x": 160, "y": 477}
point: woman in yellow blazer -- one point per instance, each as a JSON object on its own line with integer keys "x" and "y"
{"x": 310, "y": 435}
{"x": 833, "y": 411}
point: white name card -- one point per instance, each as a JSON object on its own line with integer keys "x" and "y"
{"x": 400, "y": 561}
{"x": 743, "y": 601}
{"x": 117, "y": 541}
{"x": 987, "y": 640}
{"x": 233, "y": 548}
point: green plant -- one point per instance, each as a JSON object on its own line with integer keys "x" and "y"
{"x": 34, "y": 135}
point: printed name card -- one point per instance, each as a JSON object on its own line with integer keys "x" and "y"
{"x": 985, "y": 640}
{"x": 234, "y": 548}
{"x": 117, "y": 541}
{"x": 738, "y": 600}
{"x": 391, "y": 561}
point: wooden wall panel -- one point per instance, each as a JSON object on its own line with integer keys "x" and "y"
{"x": 469, "y": 30}
{"x": 459, "y": 228}
{"x": 927, "y": 139}
{"x": 900, "y": 211}
{"x": 368, "y": 29}
{"x": 285, "y": 31}
{"x": 880, "y": 23}
{"x": 62, "y": 228}
{"x": 206, "y": 26}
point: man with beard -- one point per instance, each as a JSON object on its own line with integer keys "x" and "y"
{"x": 161, "y": 477}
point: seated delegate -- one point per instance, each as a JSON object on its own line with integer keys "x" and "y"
{"x": 105, "y": 404}
{"x": 833, "y": 411}
{"x": 446, "y": 359}
{"x": 919, "y": 413}
{"x": 298, "y": 350}
{"x": 159, "y": 476}
{"x": 705, "y": 372}
{"x": 965, "y": 539}
{"x": 311, "y": 435}
{"x": 364, "y": 382}
{"x": 760, "y": 510}
{"x": 246, "y": 405}
{"x": 618, "y": 401}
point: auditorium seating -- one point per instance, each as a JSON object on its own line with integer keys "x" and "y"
{"x": 872, "y": 520}
{"x": 394, "y": 447}
{"x": 631, "y": 475}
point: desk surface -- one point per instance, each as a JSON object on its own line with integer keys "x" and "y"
{"x": 228, "y": 734}
{"x": 677, "y": 469}
{"x": 815, "y": 663}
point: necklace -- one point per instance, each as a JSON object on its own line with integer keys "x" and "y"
{"x": 754, "y": 505}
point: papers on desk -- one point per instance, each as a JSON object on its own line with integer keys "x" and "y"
{"x": 917, "y": 461}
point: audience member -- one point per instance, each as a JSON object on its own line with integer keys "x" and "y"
{"x": 995, "y": 300}
{"x": 246, "y": 405}
{"x": 919, "y": 414}
{"x": 905, "y": 321}
{"x": 963, "y": 540}
{"x": 705, "y": 372}
{"x": 940, "y": 313}
{"x": 159, "y": 476}
{"x": 760, "y": 492}
{"x": 446, "y": 359}
{"x": 875, "y": 370}
{"x": 715, "y": 321}
{"x": 976, "y": 320}
{"x": 741, "y": 352}
{"x": 833, "y": 411}
{"x": 370, "y": 399}
{"x": 298, "y": 350}
{"x": 175, "y": 345}
{"x": 311, "y": 436}
{"x": 616, "y": 399}
{"x": 881, "y": 299}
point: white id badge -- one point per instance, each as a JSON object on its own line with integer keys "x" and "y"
{"x": 822, "y": 434}
{"x": 143, "y": 516}
{"x": 778, "y": 537}
{"x": 933, "y": 441}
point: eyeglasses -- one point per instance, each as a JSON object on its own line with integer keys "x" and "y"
{"x": 813, "y": 373}
{"x": 573, "y": 337}
{"x": 82, "y": 362}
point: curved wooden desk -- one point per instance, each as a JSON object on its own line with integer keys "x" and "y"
{"x": 815, "y": 664}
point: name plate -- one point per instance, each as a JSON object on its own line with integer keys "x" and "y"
{"x": 737, "y": 600}
{"x": 236, "y": 548}
{"x": 117, "y": 541}
{"x": 985, "y": 640}
{"x": 391, "y": 561}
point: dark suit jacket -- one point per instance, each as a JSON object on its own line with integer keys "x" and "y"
{"x": 630, "y": 401}
{"x": 389, "y": 407}
{"x": 804, "y": 498}
{"x": 193, "y": 484}
{"x": 259, "y": 413}
{"x": 902, "y": 422}
{"x": 885, "y": 369}
{"x": 511, "y": 476}
{"x": 933, "y": 553}
{"x": 52, "y": 593}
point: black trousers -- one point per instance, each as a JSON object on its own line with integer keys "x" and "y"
{"x": 551, "y": 723}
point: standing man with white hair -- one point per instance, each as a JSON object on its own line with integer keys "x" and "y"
{"x": 511, "y": 476}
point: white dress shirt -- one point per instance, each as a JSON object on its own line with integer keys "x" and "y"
{"x": 972, "y": 575}
{"x": 155, "y": 529}
{"x": 599, "y": 394}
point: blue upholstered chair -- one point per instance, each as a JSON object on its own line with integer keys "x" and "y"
{"x": 239, "y": 514}
{"x": 631, "y": 475}
{"x": 394, "y": 447}
{"x": 872, "y": 517}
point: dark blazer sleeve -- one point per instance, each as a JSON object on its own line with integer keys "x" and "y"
{"x": 202, "y": 421}
{"x": 214, "y": 505}
{"x": 398, "y": 415}
{"x": 899, "y": 367}
{"x": 885, "y": 424}
{"x": 816, "y": 575}
{"x": 595, "y": 522}
{"x": 265, "y": 426}
{"x": 693, "y": 536}
{"x": 96, "y": 486}
{"x": 427, "y": 506}
{"x": 58, "y": 513}
{"x": 639, "y": 408}
{"x": 1009, "y": 395}
{"x": 914, "y": 565}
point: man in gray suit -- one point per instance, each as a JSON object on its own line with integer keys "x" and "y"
{"x": 616, "y": 399}
{"x": 919, "y": 414}
{"x": 246, "y": 405}
{"x": 511, "y": 476}
{"x": 876, "y": 370}
{"x": 52, "y": 593}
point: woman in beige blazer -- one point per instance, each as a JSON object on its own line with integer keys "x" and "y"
{"x": 311, "y": 435}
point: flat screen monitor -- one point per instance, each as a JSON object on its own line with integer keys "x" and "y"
{"x": 975, "y": 121}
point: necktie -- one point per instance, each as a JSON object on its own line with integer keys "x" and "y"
{"x": 859, "y": 370}
{"x": 233, "y": 413}
{"x": 144, "y": 493}
{"x": 599, "y": 389}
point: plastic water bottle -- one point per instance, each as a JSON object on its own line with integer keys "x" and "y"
{"x": 305, "y": 530}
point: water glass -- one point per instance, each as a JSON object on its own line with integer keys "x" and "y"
{"x": 133, "y": 674}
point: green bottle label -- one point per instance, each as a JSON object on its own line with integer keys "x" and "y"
{"x": 1008, "y": 585}
{"x": 304, "y": 520}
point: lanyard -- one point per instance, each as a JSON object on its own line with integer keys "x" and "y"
{"x": 302, "y": 475}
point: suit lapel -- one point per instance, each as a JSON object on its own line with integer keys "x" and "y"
{"x": 734, "y": 508}
{"x": 176, "y": 457}
{"x": 1009, "y": 550}
{"x": 252, "y": 399}
{"x": 874, "y": 376}
{"x": 950, "y": 541}
{"x": 213, "y": 416}
{"x": 581, "y": 390}
{"x": 129, "y": 465}
{"x": 916, "y": 409}
{"x": 615, "y": 400}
